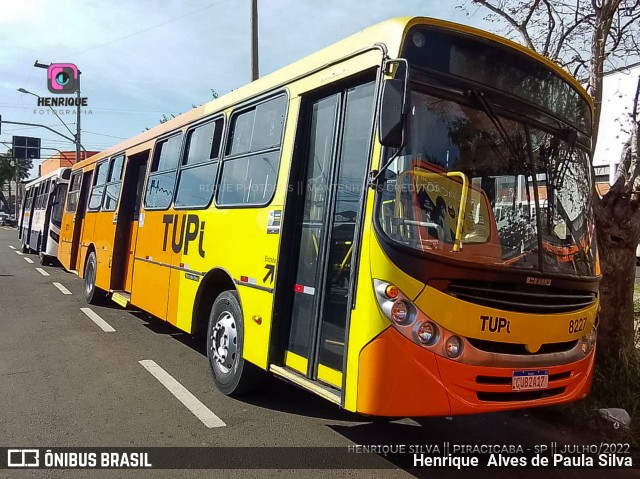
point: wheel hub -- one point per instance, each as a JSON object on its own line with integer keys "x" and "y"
{"x": 224, "y": 342}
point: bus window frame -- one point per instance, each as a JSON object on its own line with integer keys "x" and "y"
{"x": 93, "y": 185}
{"x": 238, "y": 110}
{"x": 150, "y": 173}
{"x": 74, "y": 175}
{"x": 108, "y": 183}
{"x": 183, "y": 157}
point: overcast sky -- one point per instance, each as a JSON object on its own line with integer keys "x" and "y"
{"x": 141, "y": 59}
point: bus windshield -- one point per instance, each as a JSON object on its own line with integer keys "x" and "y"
{"x": 514, "y": 173}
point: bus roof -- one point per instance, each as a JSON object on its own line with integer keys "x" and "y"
{"x": 54, "y": 174}
{"x": 389, "y": 33}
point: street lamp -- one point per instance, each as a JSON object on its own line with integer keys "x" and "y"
{"x": 37, "y": 64}
{"x": 22, "y": 90}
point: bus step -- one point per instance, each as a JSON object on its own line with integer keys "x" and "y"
{"x": 121, "y": 297}
{"x": 306, "y": 383}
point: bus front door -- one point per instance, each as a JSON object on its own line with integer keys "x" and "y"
{"x": 330, "y": 190}
{"x": 78, "y": 219}
{"x": 128, "y": 222}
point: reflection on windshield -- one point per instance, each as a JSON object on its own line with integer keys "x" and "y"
{"x": 421, "y": 204}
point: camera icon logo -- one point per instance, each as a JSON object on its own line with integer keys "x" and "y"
{"x": 62, "y": 78}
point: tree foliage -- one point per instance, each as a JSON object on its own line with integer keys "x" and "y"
{"x": 8, "y": 173}
{"x": 589, "y": 38}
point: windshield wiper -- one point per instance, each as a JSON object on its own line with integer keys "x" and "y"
{"x": 488, "y": 110}
{"x": 528, "y": 167}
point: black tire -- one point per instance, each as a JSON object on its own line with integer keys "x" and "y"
{"x": 232, "y": 375}
{"x": 45, "y": 260}
{"x": 92, "y": 294}
{"x": 25, "y": 248}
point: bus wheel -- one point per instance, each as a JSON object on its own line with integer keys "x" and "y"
{"x": 25, "y": 248}
{"x": 225, "y": 339}
{"x": 92, "y": 294}
{"x": 45, "y": 260}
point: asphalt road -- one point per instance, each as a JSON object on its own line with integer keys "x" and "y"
{"x": 65, "y": 382}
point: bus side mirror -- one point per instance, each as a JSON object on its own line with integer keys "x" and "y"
{"x": 391, "y": 128}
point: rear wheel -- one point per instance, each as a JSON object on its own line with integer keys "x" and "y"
{"x": 92, "y": 294}
{"x": 25, "y": 248}
{"x": 45, "y": 260}
{"x": 225, "y": 340}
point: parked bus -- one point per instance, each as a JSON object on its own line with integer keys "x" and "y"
{"x": 41, "y": 216}
{"x": 333, "y": 223}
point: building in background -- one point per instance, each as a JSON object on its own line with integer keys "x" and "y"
{"x": 62, "y": 159}
{"x": 619, "y": 90}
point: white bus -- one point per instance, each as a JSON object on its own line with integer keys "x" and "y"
{"x": 40, "y": 220}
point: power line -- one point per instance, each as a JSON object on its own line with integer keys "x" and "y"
{"x": 147, "y": 29}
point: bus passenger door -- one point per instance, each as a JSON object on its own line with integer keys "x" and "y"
{"x": 81, "y": 211}
{"x": 329, "y": 195}
{"x": 127, "y": 222}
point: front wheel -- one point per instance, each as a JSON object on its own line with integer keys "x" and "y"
{"x": 225, "y": 340}
{"x": 25, "y": 248}
{"x": 92, "y": 294}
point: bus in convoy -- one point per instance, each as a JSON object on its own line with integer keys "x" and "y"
{"x": 41, "y": 216}
{"x": 333, "y": 223}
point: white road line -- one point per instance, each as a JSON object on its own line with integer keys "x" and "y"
{"x": 19, "y": 253}
{"x": 42, "y": 272}
{"x": 102, "y": 324}
{"x": 12, "y": 247}
{"x": 28, "y": 260}
{"x": 62, "y": 289}
{"x": 183, "y": 395}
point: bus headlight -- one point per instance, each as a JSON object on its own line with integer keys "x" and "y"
{"x": 400, "y": 311}
{"x": 427, "y": 333}
{"x": 453, "y": 347}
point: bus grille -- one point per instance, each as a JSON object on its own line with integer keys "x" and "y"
{"x": 519, "y": 396}
{"x": 509, "y": 348}
{"x": 520, "y": 298}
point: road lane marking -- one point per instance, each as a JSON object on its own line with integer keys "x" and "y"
{"x": 42, "y": 272}
{"x": 62, "y": 289}
{"x": 12, "y": 247}
{"x": 19, "y": 253}
{"x": 28, "y": 260}
{"x": 102, "y": 324}
{"x": 183, "y": 395}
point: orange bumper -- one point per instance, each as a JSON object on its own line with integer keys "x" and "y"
{"x": 399, "y": 378}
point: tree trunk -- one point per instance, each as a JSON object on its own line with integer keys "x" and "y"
{"x": 618, "y": 225}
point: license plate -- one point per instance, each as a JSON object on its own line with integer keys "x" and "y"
{"x": 529, "y": 380}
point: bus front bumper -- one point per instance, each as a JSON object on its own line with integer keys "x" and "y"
{"x": 399, "y": 378}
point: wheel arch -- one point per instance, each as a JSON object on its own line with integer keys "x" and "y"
{"x": 213, "y": 283}
{"x": 90, "y": 248}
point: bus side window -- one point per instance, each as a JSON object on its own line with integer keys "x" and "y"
{"x": 112, "y": 188}
{"x": 250, "y": 168}
{"x": 74, "y": 191}
{"x": 99, "y": 179}
{"x": 162, "y": 176}
{"x": 199, "y": 166}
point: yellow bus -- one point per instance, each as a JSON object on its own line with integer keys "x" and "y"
{"x": 333, "y": 224}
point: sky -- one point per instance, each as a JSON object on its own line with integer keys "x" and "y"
{"x": 142, "y": 59}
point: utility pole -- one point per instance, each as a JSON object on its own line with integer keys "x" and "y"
{"x": 255, "y": 74}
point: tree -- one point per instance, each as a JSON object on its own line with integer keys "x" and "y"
{"x": 8, "y": 174}
{"x": 591, "y": 38}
